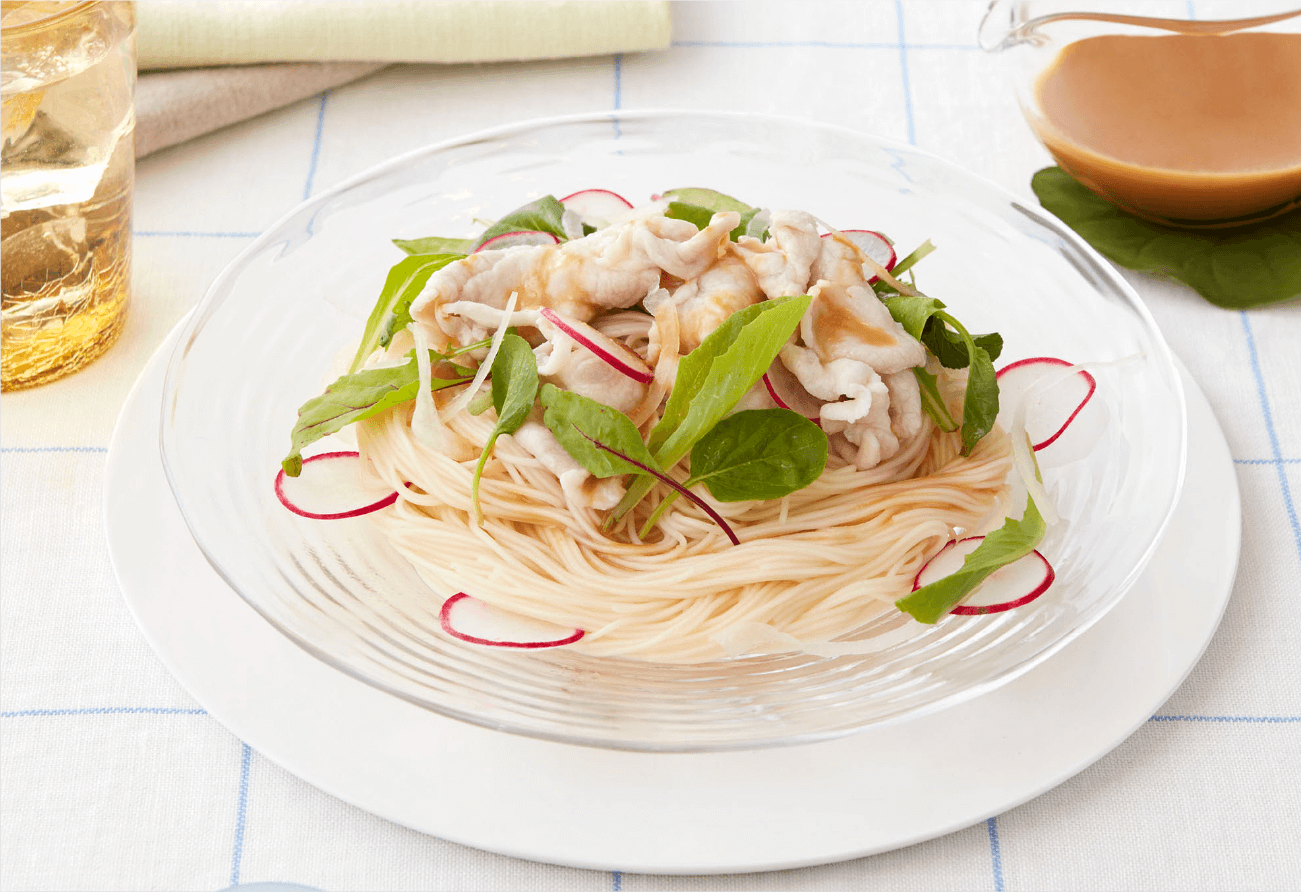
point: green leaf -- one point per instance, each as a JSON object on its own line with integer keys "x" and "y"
{"x": 700, "y": 217}
{"x": 709, "y": 199}
{"x": 712, "y": 379}
{"x": 759, "y": 454}
{"x": 980, "y": 402}
{"x": 393, "y": 309}
{"x": 577, "y": 421}
{"x": 1011, "y": 542}
{"x": 924, "y": 318}
{"x": 950, "y": 347}
{"x": 945, "y": 337}
{"x": 933, "y": 401}
{"x": 707, "y": 202}
{"x": 435, "y": 245}
{"x": 543, "y": 215}
{"x": 692, "y": 213}
{"x": 356, "y": 396}
{"x": 1237, "y": 268}
{"x": 514, "y": 387}
{"x": 913, "y": 313}
{"x": 514, "y": 383}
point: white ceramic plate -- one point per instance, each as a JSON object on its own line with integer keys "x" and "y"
{"x": 750, "y": 810}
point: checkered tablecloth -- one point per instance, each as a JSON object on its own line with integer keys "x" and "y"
{"x": 113, "y": 778}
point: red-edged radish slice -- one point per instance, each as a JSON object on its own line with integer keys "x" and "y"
{"x": 873, "y": 244}
{"x": 612, "y": 353}
{"x": 787, "y": 393}
{"x": 331, "y": 487}
{"x": 1014, "y": 585}
{"x": 597, "y": 204}
{"x": 515, "y": 239}
{"x": 1051, "y": 410}
{"x": 472, "y": 620}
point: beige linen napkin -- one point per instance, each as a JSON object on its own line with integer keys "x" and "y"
{"x": 321, "y": 44}
{"x": 175, "y": 106}
{"x": 179, "y": 34}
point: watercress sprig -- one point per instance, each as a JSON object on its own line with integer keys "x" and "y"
{"x": 435, "y": 245}
{"x": 949, "y": 341}
{"x": 392, "y": 310}
{"x": 1011, "y": 542}
{"x": 543, "y": 215}
{"x": 360, "y": 395}
{"x": 754, "y": 454}
{"x": 606, "y": 442}
{"x": 514, "y": 388}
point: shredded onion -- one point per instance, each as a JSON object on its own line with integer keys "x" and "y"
{"x": 463, "y": 398}
{"x": 424, "y": 420}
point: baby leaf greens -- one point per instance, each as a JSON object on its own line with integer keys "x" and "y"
{"x": 360, "y": 395}
{"x": 514, "y": 387}
{"x": 698, "y": 206}
{"x": 759, "y": 454}
{"x": 1011, "y": 542}
{"x": 606, "y": 442}
{"x": 755, "y": 454}
{"x": 925, "y": 319}
{"x": 543, "y": 215}
{"x": 435, "y": 245}
{"x": 712, "y": 379}
{"x": 580, "y": 423}
{"x": 393, "y": 309}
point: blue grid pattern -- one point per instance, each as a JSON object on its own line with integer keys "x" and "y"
{"x": 903, "y": 48}
{"x": 1268, "y": 414}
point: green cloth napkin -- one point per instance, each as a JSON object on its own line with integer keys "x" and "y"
{"x": 181, "y": 34}
{"x": 1249, "y": 266}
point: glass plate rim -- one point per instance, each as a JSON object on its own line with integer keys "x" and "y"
{"x": 1039, "y": 216}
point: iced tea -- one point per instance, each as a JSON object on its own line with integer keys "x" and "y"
{"x": 66, "y": 173}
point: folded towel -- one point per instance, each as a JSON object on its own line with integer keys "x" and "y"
{"x": 175, "y": 106}
{"x": 181, "y": 34}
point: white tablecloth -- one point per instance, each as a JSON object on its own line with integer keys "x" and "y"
{"x": 113, "y": 778}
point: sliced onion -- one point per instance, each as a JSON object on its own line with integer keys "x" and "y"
{"x": 463, "y": 398}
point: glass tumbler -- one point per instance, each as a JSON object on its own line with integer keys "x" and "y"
{"x": 66, "y": 172}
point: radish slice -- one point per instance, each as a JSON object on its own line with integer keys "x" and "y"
{"x": 1014, "y": 585}
{"x": 597, "y": 205}
{"x": 477, "y": 622}
{"x": 873, "y": 244}
{"x": 787, "y": 393}
{"x": 330, "y": 487}
{"x": 1051, "y": 410}
{"x": 515, "y": 239}
{"x": 613, "y": 354}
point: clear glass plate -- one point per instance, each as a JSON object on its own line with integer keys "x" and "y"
{"x": 266, "y": 334}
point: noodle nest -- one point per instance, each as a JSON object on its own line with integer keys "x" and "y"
{"x": 816, "y": 565}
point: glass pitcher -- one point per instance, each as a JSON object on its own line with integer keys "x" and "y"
{"x": 1189, "y": 115}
